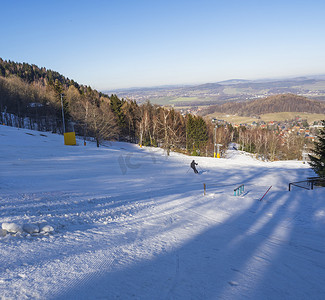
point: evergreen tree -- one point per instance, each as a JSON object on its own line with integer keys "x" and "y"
{"x": 131, "y": 112}
{"x": 116, "y": 106}
{"x": 317, "y": 162}
{"x": 189, "y": 132}
{"x": 197, "y": 133}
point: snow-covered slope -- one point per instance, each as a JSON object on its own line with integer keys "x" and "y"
{"x": 123, "y": 222}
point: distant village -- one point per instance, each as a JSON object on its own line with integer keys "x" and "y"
{"x": 297, "y": 126}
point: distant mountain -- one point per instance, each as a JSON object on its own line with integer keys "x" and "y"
{"x": 236, "y": 90}
{"x": 233, "y": 81}
{"x": 272, "y": 104}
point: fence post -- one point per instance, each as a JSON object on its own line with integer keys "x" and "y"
{"x": 204, "y": 188}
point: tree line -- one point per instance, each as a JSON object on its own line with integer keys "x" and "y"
{"x": 35, "y": 97}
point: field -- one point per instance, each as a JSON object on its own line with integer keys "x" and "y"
{"x": 319, "y": 85}
{"x": 282, "y": 116}
{"x": 178, "y": 100}
{"x": 185, "y": 99}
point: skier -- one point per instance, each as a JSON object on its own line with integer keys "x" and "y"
{"x": 193, "y": 163}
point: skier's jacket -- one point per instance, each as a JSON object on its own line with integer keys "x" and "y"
{"x": 193, "y": 163}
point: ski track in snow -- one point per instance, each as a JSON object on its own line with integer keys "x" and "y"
{"x": 132, "y": 223}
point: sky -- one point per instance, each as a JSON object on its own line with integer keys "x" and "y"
{"x": 117, "y": 44}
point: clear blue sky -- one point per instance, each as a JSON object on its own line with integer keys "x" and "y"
{"x": 123, "y": 43}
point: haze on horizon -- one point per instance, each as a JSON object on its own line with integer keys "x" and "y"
{"x": 121, "y": 44}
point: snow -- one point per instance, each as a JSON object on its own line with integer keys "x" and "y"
{"x": 12, "y": 227}
{"x": 31, "y": 228}
{"x": 123, "y": 222}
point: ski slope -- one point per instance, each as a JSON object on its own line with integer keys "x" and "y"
{"x": 133, "y": 223}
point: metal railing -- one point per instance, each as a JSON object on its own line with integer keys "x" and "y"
{"x": 309, "y": 184}
{"x": 239, "y": 190}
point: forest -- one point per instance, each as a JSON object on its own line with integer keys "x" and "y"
{"x": 34, "y": 98}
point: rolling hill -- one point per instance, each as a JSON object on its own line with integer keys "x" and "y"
{"x": 234, "y": 90}
{"x": 272, "y": 104}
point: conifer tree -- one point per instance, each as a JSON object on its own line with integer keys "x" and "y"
{"x": 197, "y": 133}
{"x": 317, "y": 161}
{"x": 116, "y": 106}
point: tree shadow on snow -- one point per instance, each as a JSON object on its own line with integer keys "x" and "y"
{"x": 260, "y": 253}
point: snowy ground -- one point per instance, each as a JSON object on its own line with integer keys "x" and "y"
{"x": 132, "y": 223}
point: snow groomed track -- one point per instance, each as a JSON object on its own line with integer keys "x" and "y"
{"x": 132, "y": 223}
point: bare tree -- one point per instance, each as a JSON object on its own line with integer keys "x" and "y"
{"x": 172, "y": 126}
{"x": 272, "y": 144}
{"x": 97, "y": 119}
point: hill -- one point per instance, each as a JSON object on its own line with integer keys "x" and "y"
{"x": 40, "y": 99}
{"x": 272, "y": 104}
{"x": 33, "y": 92}
{"x": 235, "y": 90}
{"x": 130, "y": 222}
